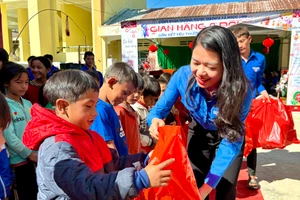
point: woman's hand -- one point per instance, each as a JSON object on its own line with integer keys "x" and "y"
{"x": 154, "y": 126}
{"x": 205, "y": 190}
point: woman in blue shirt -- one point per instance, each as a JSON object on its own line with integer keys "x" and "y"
{"x": 215, "y": 90}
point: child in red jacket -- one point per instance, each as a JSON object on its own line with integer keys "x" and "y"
{"x": 129, "y": 118}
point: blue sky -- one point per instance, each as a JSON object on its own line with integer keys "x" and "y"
{"x": 170, "y": 3}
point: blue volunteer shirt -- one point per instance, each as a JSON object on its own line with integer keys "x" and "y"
{"x": 52, "y": 69}
{"x": 108, "y": 125}
{"x": 204, "y": 112}
{"x": 85, "y": 68}
{"x": 254, "y": 69}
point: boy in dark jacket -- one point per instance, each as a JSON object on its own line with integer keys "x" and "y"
{"x": 75, "y": 163}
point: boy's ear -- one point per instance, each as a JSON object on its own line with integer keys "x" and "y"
{"x": 112, "y": 81}
{"x": 250, "y": 38}
{"x": 62, "y": 106}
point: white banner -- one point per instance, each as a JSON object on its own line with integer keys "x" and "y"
{"x": 130, "y": 45}
{"x": 293, "y": 93}
{"x": 168, "y": 28}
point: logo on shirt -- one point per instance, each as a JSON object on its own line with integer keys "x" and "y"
{"x": 122, "y": 133}
{"x": 19, "y": 119}
{"x": 255, "y": 69}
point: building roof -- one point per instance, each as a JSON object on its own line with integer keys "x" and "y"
{"x": 218, "y": 9}
{"x": 125, "y": 14}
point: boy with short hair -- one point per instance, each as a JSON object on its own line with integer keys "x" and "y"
{"x": 147, "y": 100}
{"x": 254, "y": 65}
{"x": 120, "y": 81}
{"x": 89, "y": 59}
{"x": 129, "y": 118}
{"x": 75, "y": 163}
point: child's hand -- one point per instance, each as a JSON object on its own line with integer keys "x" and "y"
{"x": 154, "y": 126}
{"x": 159, "y": 177}
{"x": 33, "y": 156}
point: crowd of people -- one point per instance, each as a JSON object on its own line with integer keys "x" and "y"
{"x": 76, "y": 134}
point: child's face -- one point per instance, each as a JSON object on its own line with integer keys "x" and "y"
{"x": 119, "y": 92}
{"x": 134, "y": 97}
{"x": 82, "y": 112}
{"x": 39, "y": 70}
{"x": 149, "y": 100}
{"x": 163, "y": 87}
{"x": 244, "y": 43}
{"x": 89, "y": 61}
{"x": 18, "y": 85}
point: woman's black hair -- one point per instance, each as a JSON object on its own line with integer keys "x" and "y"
{"x": 42, "y": 59}
{"x": 70, "y": 85}
{"x": 5, "y": 117}
{"x": 9, "y": 71}
{"x": 233, "y": 88}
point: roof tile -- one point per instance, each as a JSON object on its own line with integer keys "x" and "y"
{"x": 220, "y": 9}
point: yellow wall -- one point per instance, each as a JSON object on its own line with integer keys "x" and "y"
{"x": 114, "y": 50}
{"x": 101, "y": 12}
{"x": 43, "y": 27}
{"x": 83, "y": 19}
{"x": 24, "y": 43}
{"x": 5, "y": 32}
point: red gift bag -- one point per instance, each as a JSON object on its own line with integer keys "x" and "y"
{"x": 183, "y": 183}
{"x": 269, "y": 125}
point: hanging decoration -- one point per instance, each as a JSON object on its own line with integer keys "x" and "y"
{"x": 146, "y": 65}
{"x": 191, "y": 44}
{"x": 153, "y": 48}
{"x": 67, "y": 26}
{"x": 268, "y": 42}
{"x": 166, "y": 51}
{"x": 266, "y": 50}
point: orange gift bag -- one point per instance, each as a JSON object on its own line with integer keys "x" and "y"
{"x": 183, "y": 183}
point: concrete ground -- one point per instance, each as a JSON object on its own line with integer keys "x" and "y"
{"x": 278, "y": 171}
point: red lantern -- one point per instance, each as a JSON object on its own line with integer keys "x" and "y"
{"x": 166, "y": 51}
{"x": 191, "y": 44}
{"x": 268, "y": 42}
{"x": 153, "y": 48}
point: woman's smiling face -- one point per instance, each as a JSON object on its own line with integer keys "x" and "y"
{"x": 207, "y": 68}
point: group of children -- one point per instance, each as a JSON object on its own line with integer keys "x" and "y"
{"x": 73, "y": 134}
{"x": 60, "y": 118}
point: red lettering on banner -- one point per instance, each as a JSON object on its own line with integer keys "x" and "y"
{"x": 153, "y": 29}
{"x": 223, "y": 24}
{"x": 179, "y": 27}
{"x": 187, "y": 27}
{"x": 232, "y": 23}
{"x": 201, "y": 26}
{"x": 212, "y": 24}
{"x": 194, "y": 27}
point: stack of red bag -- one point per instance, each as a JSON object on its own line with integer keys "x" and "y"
{"x": 183, "y": 183}
{"x": 269, "y": 125}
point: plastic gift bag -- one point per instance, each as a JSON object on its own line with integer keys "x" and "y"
{"x": 183, "y": 183}
{"x": 269, "y": 125}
